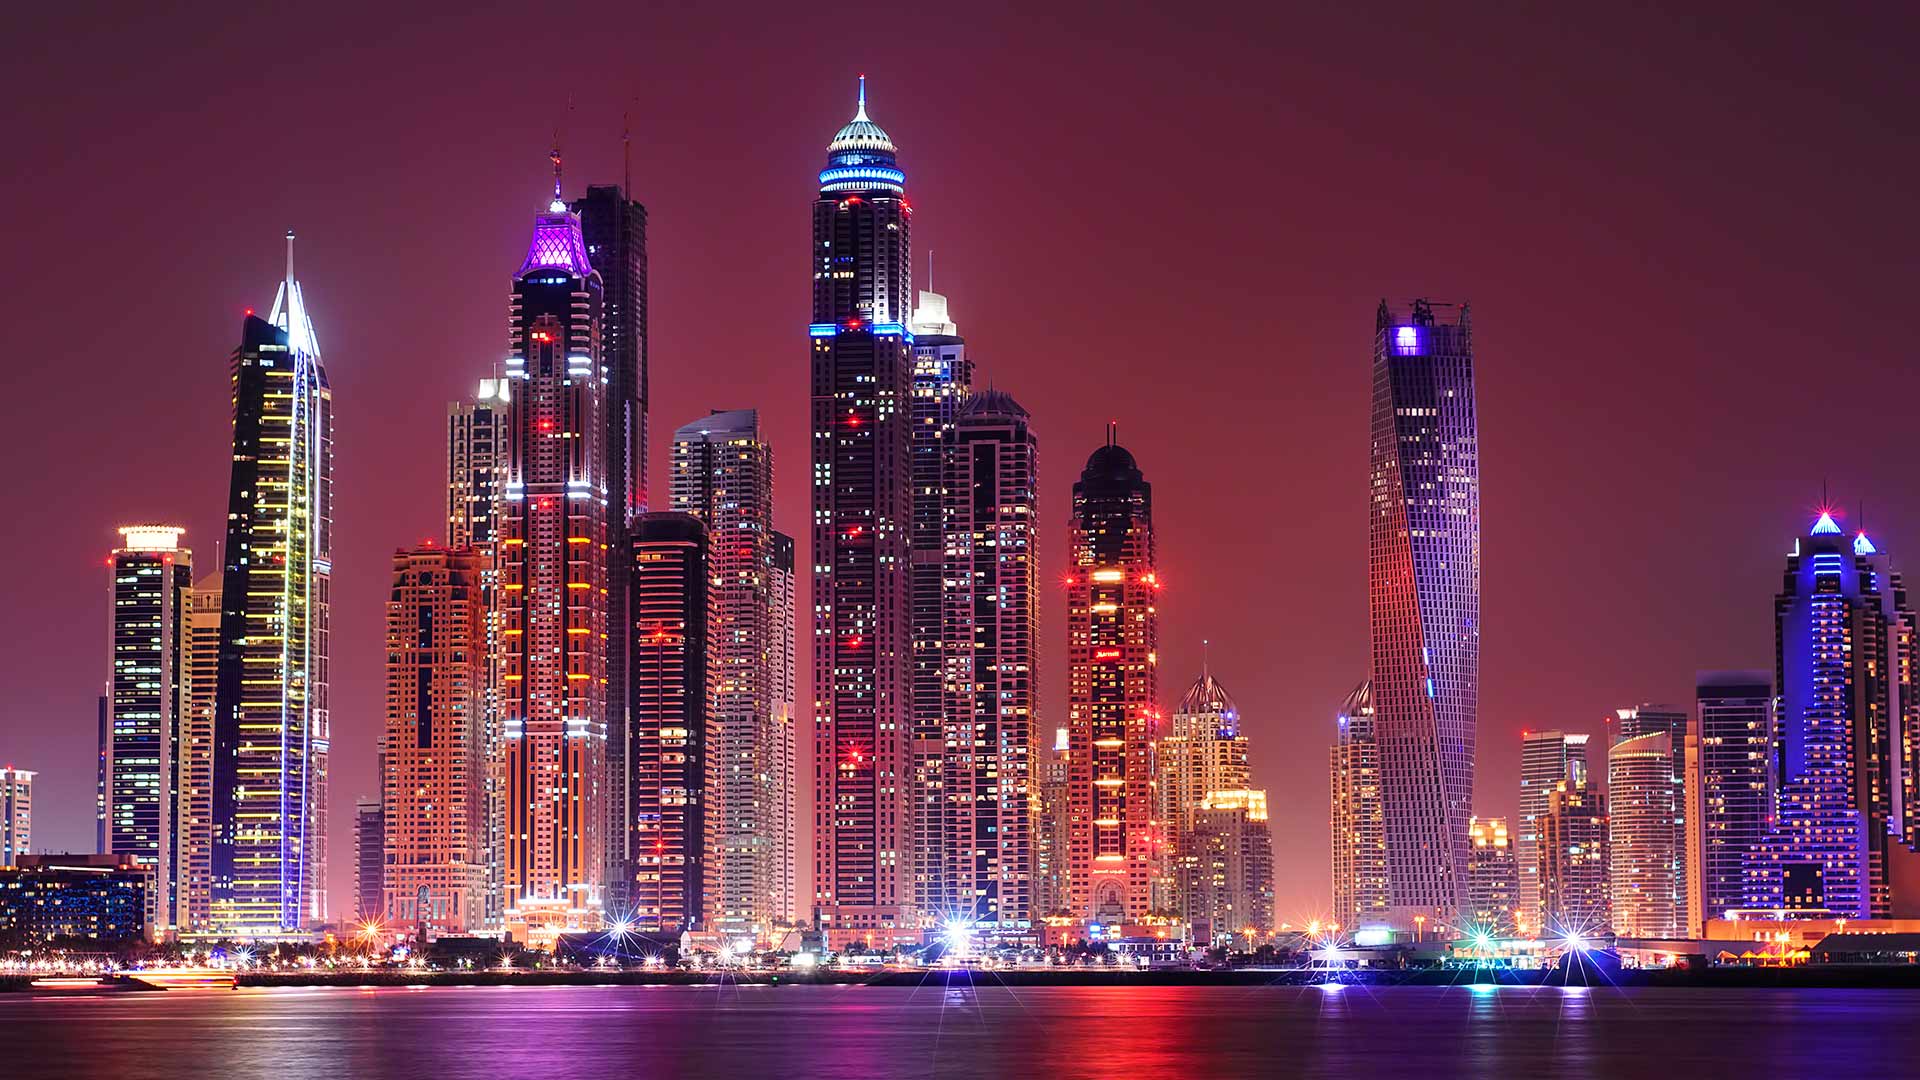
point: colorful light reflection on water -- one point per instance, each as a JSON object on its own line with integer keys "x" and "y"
{"x": 957, "y": 1031}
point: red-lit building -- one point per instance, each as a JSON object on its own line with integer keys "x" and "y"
{"x": 433, "y": 754}
{"x": 861, "y": 387}
{"x": 671, "y": 780}
{"x": 1112, "y": 690}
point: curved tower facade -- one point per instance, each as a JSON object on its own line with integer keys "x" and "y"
{"x": 862, "y": 387}
{"x": 553, "y": 563}
{"x": 1423, "y": 601}
{"x": 1112, "y": 690}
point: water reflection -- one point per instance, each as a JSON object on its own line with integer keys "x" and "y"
{"x": 982, "y": 1030}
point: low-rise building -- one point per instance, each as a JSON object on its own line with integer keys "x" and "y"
{"x": 48, "y": 899}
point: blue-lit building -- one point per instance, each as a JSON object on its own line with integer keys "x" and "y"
{"x": 57, "y": 898}
{"x": 1843, "y": 671}
{"x": 1423, "y": 600}
{"x": 862, "y": 394}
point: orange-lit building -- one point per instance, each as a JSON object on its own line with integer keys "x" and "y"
{"x": 1112, "y": 690}
{"x": 433, "y": 755}
{"x": 553, "y": 536}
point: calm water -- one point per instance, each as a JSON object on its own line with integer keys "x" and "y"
{"x": 1054, "y": 1033}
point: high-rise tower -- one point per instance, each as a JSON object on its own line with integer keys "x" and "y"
{"x": 672, "y": 781}
{"x": 269, "y": 792}
{"x": 862, "y": 387}
{"x": 723, "y": 475}
{"x": 1359, "y": 815}
{"x": 1729, "y": 789}
{"x": 614, "y": 225}
{"x": 1643, "y": 893}
{"x": 16, "y": 814}
{"x": 433, "y": 756}
{"x": 1492, "y": 877}
{"x": 942, "y": 378}
{"x": 148, "y": 687}
{"x": 990, "y": 739}
{"x": 778, "y": 787}
{"x": 1845, "y": 662}
{"x": 554, "y": 589}
{"x": 193, "y": 801}
{"x": 1423, "y": 591}
{"x": 1546, "y": 759}
{"x": 477, "y": 458}
{"x": 1112, "y": 688}
{"x": 1203, "y": 752}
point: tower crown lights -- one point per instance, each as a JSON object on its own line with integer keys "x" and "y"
{"x": 151, "y": 537}
{"x": 557, "y": 243}
{"x": 861, "y": 156}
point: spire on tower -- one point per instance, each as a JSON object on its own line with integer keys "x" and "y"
{"x": 861, "y": 112}
{"x": 558, "y": 204}
{"x": 289, "y": 254}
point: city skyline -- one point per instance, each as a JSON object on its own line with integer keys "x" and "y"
{"x": 1204, "y": 596}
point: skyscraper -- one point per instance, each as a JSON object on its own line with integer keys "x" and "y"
{"x": 1546, "y": 759}
{"x": 1112, "y": 689}
{"x": 270, "y": 734}
{"x": 1493, "y": 877}
{"x": 1644, "y": 862}
{"x": 1359, "y": 815}
{"x": 148, "y": 687}
{"x": 1202, "y": 752}
{"x": 554, "y": 587}
{"x": 369, "y": 859}
{"x": 1729, "y": 790}
{"x": 1052, "y": 832}
{"x": 16, "y": 814}
{"x": 1423, "y": 589}
{"x": 477, "y": 465}
{"x": 942, "y": 378}
{"x": 193, "y": 798}
{"x": 477, "y": 460}
{"x": 433, "y": 756}
{"x": 1844, "y": 665}
{"x": 614, "y": 227}
{"x": 778, "y": 786}
{"x": 1228, "y": 866}
{"x": 990, "y": 745}
{"x": 1631, "y": 844}
{"x": 1572, "y": 861}
{"x": 862, "y": 388}
{"x": 673, "y": 782}
{"x": 723, "y": 475}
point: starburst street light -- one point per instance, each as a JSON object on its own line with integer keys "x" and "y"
{"x": 957, "y": 935}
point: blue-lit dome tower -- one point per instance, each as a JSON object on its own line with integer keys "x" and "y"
{"x": 862, "y": 383}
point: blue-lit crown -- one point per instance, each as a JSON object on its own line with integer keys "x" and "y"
{"x": 860, "y": 157}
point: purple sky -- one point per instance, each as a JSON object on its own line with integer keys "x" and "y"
{"x": 1687, "y": 241}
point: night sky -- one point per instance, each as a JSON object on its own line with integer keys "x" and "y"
{"x": 1688, "y": 242}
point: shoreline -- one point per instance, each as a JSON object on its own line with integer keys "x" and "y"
{"x": 1825, "y": 977}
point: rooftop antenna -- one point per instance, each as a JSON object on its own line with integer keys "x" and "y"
{"x": 929, "y": 269}
{"x": 1113, "y": 432}
{"x": 289, "y": 257}
{"x": 1206, "y": 659}
{"x": 626, "y": 151}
